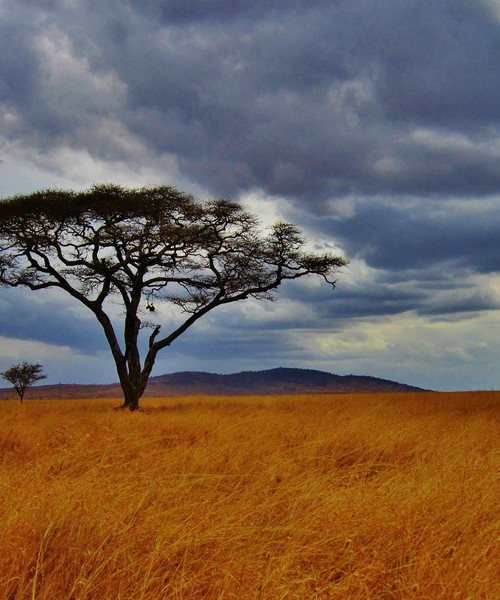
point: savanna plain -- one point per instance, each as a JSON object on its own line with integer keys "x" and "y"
{"x": 324, "y": 496}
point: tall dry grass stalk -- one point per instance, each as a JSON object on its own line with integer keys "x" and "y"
{"x": 381, "y": 497}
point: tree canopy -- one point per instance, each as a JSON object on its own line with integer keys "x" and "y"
{"x": 146, "y": 246}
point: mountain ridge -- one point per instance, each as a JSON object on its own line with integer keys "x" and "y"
{"x": 289, "y": 380}
{"x": 279, "y": 380}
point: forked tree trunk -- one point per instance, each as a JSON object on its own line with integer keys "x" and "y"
{"x": 131, "y": 400}
{"x": 133, "y": 388}
{"x": 127, "y": 366}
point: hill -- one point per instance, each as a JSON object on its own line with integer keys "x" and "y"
{"x": 272, "y": 381}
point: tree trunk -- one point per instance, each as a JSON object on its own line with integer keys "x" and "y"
{"x": 133, "y": 379}
{"x": 131, "y": 400}
{"x": 133, "y": 387}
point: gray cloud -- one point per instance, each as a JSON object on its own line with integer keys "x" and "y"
{"x": 38, "y": 318}
{"x": 438, "y": 69}
{"x": 421, "y": 234}
{"x": 302, "y": 99}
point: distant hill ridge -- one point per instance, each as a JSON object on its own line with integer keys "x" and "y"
{"x": 279, "y": 380}
{"x": 271, "y": 381}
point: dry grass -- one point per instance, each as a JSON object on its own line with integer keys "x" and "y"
{"x": 381, "y": 497}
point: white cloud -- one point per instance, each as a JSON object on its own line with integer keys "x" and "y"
{"x": 342, "y": 208}
{"x": 60, "y": 363}
{"x": 267, "y": 207}
{"x": 25, "y": 168}
{"x": 458, "y": 142}
{"x": 18, "y": 350}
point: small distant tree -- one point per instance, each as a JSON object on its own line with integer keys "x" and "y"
{"x": 142, "y": 247}
{"x": 23, "y": 375}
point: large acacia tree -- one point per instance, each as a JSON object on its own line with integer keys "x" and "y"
{"x": 144, "y": 246}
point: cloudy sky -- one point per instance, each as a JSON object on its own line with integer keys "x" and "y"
{"x": 372, "y": 124}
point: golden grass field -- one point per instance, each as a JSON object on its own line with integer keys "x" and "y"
{"x": 349, "y": 497}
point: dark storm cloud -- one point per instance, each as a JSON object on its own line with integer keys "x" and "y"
{"x": 439, "y": 65}
{"x": 194, "y": 11}
{"x": 52, "y": 322}
{"x": 439, "y": 291}
{"x": 304, "y": 99}
{"x": 429, "y": 256}
{"x": 247, "y": 347}
{"x": 19, "y": 68}
{"x": 321, "y": 99}
{"x": 422, "y": 234}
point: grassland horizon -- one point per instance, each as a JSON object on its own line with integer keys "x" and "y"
{"x": 360, "y": 496}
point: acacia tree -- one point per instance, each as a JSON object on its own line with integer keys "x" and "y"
{"x": 142, "y": 247}
{"x": 23, "y": 375}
